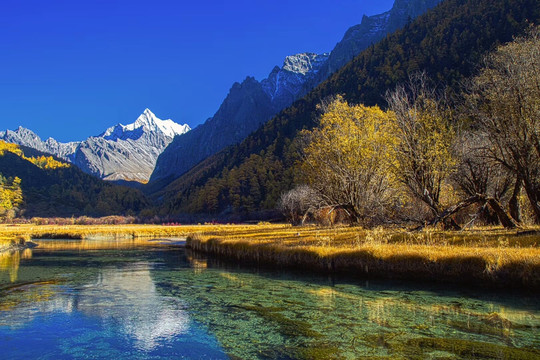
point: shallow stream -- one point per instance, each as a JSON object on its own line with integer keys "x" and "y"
{"x": 90, "y": 300}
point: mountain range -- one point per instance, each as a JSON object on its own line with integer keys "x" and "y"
{"x": 447, "y": 43}
{"x": 122, "y": 152}
{"x": 252, "y": 103}
{"x": 243, "y": 158}
{"x": 247, "y": 106}
{"x": 52, "y": 188}
{"x": 151, "y": 148}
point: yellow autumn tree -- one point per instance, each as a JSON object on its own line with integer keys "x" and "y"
{"x": 10, "y": 197}
{"x": 348, "y": 159}
{"x": 47, "y": 162}
{"x": 13, "y": 148}
{"x": 424, "y": 155}
{"x": 42, "y": 161}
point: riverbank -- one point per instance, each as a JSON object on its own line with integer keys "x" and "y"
{"x": 487, "y": 256}
{"x": 16, "y": 235}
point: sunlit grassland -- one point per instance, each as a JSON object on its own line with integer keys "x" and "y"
{"x": 491, "y": 256}
{"x": 484, "y": 255}
{"x": 29, "y": 231}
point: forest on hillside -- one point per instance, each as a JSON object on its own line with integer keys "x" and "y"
{"x": 428, "y": 157}
{"x": 35, "y": 184}
{"x": 448, "y": 44}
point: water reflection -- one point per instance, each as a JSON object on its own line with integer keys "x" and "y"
{"x": 128, "y": 297}
{"x": 164, "y": 302}
{"x": 10, "y": 260}
{"x": 93, "y": 244}
{"x": 123, "y": 297}
{"x": 197, "y": 263}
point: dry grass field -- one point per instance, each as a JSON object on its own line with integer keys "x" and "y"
{"x": 491, "y": 256}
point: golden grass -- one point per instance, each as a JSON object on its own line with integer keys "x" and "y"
{"x": 488, "y": 255}
{"x": 117, "y": 231}
{"x": 491, "y": 256}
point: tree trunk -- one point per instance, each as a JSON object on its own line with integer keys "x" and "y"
{"x": 455, "y": 208}
{"x": 513, "y": 205}
{"x": 533, "y": 199}
{"x": 505, "y": 219}
{"x": 451, "y": 224}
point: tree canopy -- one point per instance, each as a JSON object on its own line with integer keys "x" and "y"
{"x": 349, "y": 159}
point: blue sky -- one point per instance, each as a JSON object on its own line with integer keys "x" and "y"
{"x": 69, "y": 69}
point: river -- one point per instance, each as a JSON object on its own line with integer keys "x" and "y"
{"x": 98, "y": 299}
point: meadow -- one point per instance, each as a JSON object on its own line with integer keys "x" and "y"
{"x": 490, "y": 256}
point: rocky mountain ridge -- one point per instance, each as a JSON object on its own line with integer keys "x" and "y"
{"x": 245, "y": 108}
{"x": 150, "y": 148}
{"x": 245, "y": 181}
{"x": 371, "y": 30}
{"x": 122, "y": 152}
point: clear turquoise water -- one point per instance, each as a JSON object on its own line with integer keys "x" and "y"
{"x": 163, "y": 302}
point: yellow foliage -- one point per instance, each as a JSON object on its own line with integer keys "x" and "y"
{"x": 465, "y": 256}
{"x": 13, "y": 148}
{"x": 46, "y": 162}
{"x": 43, "y": 162}
{"x": 350, "y": 156}
{"x": 10, "y": 196}
{"x": 424, "y": 150}
{"x": 430, "y": 253}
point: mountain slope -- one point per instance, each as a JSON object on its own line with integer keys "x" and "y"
{"x": 122, "y": 152}
{"x": 447, "y": 43}
{"x": 64, "y": 190}
{"x": 371, "y": 30}
{"x": 26, "y": 137}
{"x": 246, "y": 107}
{"x": 127, "y": 152}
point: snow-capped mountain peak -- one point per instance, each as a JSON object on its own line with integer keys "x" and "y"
{"x": 146, "y": 122}
{"x": 122, "y": 152}
{"x": 285, "y": 84}
{"x": 304, "y": 63}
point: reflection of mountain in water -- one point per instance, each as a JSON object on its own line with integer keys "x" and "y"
{"x": 128, "y": 297}
{"x": 123, "y": 298}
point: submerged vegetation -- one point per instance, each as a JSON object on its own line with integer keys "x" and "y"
{"x": 387, "y": 155}
{"x": 261, "y": 314}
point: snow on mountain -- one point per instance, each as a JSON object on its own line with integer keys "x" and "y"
{"x": 146, "y": 122}
{"x": 26, "y": 137}
{"x": 248, "y": 105}
{"x": 251, "y": 103}
{"x": 130, "y": 152}
{"x": 122, "y": 152}
{"x": 284, "y": 85}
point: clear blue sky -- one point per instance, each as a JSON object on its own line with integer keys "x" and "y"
{"x": 69, "y": 69}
